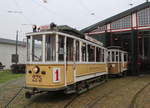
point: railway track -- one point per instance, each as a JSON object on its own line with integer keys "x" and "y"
{"x": 71, "y": 100}
{"x": 99, "y": 98}
{"x": 133, "y": 102}
{"x": 13, "y": 98}
{"x": 52, "y": 101}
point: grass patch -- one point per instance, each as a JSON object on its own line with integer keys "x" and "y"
{"x": 7, "y": 75}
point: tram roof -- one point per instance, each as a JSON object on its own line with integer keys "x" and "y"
{"x": 61, "y": 28}
{"x": 115, "y": 17}
{"x": 70, "y": 30}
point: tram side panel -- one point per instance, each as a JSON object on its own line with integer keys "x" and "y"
{"x": 87, "y": 69}
{"x": 53, "y": 76}
{"x": 115, "y": 68}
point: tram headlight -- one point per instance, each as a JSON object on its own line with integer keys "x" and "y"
{"x": 36, "y": 69}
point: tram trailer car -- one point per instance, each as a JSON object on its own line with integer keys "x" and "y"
{"x": 117, "y": 61}
{"x": 66, "y": 61}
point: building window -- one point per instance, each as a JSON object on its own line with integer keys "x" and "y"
{"x": 121, "y": 23}
{"x": 143, "y": 17}
{"x": 99, "y": 29}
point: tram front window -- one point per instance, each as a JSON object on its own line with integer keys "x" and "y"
{"x": 37, "y": 48}
{"x": 50, "y": 48}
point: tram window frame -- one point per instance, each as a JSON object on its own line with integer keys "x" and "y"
{"x": 125, "y": 57}
{"x": 61, "y": 48}
{"x": 109, "y": 56}
{"x": 28, "y": 47}
{"x": 98, "y": 56}
{"x": 120, "y": 57}
{"x": 102, "y": 55}
{"x": 36, "y": 46}
{"x": 91, "y": 54}
{"x": 113, "y": 56}
{"x": 77, "y": 53}
{"x": 117, "y": 56}
{"x": 84, "y": 51}
{"x": 70, "y": 49}
{"x": 50, "y": 47}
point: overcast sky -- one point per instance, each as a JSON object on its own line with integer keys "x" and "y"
{"x": 75, "y": 13}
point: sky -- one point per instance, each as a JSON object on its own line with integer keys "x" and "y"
{"x": 22, "y": 14}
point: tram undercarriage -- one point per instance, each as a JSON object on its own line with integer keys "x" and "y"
{"x": 78, "y": 87}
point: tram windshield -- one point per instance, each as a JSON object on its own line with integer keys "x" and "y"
{"x": 37, "y": 48}
{"x": 43, "y": 48}
{"x": 50, "y": 48}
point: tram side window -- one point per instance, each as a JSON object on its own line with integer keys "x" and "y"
{"x": 37, "y": 48}
{"x": 98, "y": 54}
{"x": 70, "y": 49}
{"x": 91, "y": 52}
{"x": 117, "y": 56}
{"x": 120, "y": 56}
{"x": 28, "y": 48}
{"x": 113, "y": 56}
{"x": 83, "y": 49}
{"x": 50, "y": 47}
{"x": 102, "y": 55}
{"x": 125, "y": 57}
{"x": 109, "y": 58}
{"x": 61, "y": 41}
{"x": 77, "y": 50}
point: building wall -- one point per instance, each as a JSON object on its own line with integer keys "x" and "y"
{"x": 7, "y": 50}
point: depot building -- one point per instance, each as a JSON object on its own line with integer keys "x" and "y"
{"x": 131, "y": 31}
{"x": 8, "y": 48}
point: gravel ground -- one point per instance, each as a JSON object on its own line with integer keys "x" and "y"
{"x": 116, "y": 93}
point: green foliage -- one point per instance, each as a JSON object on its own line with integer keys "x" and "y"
{"x": 7, "y": 75}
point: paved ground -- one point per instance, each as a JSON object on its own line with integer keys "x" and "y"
{"x": 129, "y": 92}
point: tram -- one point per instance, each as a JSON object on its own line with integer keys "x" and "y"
{"x": 117, "y": 61}
{"x": 63, "y": 59}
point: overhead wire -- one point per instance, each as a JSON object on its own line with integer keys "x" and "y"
{"x": 51, "y": 11}
{"x": 83, "y": 5}
{"x": 23, "y": 15}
